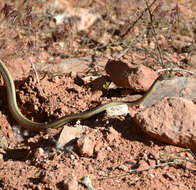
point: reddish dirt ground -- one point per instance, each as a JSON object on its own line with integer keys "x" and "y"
{"x": 123, "y": 156}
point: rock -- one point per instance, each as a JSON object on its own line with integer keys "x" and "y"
{"x": 171, "y": 120}
{"x": 86, "y": 18}
{"x": 101, "y": 155}
{"x": 112, "y": 135}
{"x": 138, "y": 78}
{"x": 152, "y": 45}
{"x": 181, "y": 43}
{"x": 122, "y": 109}
{"x": 86, "y": 181}
{"x": 3, "y": 141}
{"x": 162, "y": 41}
{"x": 70, "y": 184}
{"x": 143, "y": 165}
{"x": 192, "y": 60}
{"x": 69, "y": 134}
{"x": 172, "y": 87}
{"x": 86, "y": 145}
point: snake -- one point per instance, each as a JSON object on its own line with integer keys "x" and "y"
{"x": 32, "y": 125}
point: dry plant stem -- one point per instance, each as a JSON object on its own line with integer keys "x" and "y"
{"x": 175, "y": 156}
{"x": 175, "y": 69}
{"x": 124, "y": 34}
{"x": 132, "y": 25}
{"x": 155, "y": 35}
{"x": 138, "y": 38}
{"x": 37, "y": 76}
{"x": 190, "y": 151}
{"x": 174, "y": 162}
{"x": 140, "y": 170}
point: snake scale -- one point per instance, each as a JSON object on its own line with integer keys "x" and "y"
{"x": 26, "y": 123}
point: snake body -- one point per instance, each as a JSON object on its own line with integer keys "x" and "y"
{"x": 26, "y": 123}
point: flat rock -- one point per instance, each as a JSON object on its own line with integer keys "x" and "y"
{"x": 136, "y": 77}
{"x": 172, "y": 87}
{"x": 171, "y": 120}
